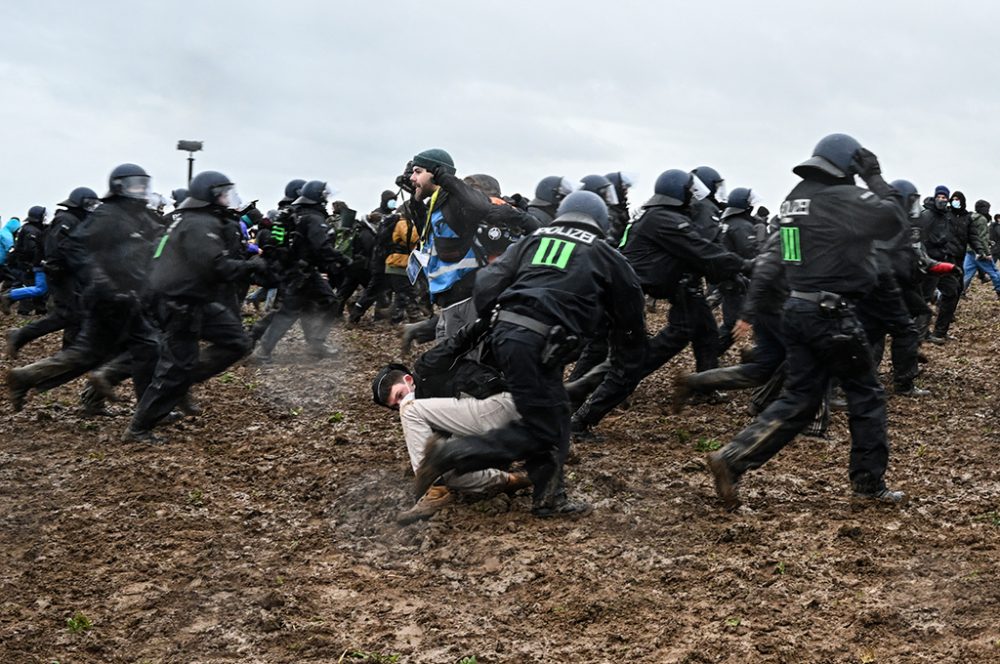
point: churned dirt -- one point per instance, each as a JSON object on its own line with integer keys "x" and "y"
{"x": 263, "y": 531}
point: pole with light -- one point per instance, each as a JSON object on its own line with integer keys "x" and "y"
{"x": 190, "y": 147}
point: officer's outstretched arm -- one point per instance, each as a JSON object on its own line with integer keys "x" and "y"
{"x": 494, "y": 279}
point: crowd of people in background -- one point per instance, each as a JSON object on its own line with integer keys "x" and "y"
{"x": 535, "y": 306}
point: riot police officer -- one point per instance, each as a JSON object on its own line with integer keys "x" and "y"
{"x": 827, "y": 226}
{"x": 670, "y": 256}
{"x": 551, "y": 287}
{"x": 304, "y": 291}
{"x": 62, "y": 283}
{"x": 110, "y": 250}
{"x": 194, "y": 267}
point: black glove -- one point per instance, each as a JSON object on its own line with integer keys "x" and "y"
{"x": 865, "y": 163}
{"x": 439, "y": 171}
{"x": 747, "y": 266}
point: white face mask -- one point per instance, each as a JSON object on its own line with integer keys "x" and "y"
{"x": 391, "y": 204}
{"x": 957, "y": 205}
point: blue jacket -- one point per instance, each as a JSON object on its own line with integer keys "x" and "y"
{"x": 7, "y": 238}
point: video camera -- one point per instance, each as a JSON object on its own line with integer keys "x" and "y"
{"x": 403, "y": 181}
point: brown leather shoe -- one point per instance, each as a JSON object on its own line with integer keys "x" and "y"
{"x": 516, "y": 481}
{"x": 436, "y": 498}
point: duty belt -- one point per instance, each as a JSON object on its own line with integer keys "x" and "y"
{"x": 523, "y": 321}
{"x": 814, "y": 296}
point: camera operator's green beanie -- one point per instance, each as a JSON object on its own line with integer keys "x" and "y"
{"x": 434, "y": 157}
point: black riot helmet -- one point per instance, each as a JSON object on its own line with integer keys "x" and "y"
{"x": 911, "y": 197}
{"x": 713, "y": 182}
{"x": 740, "y": 200}
{"x": 675, "y": 188}
{"x": 293, "y": 190}
{"x": 83, "y": 198}
{"x": 210, "y": 188}
{"x": 37, "y": 213}
{"x": 552, "y": 189}
{"x": 601, "y": 186}
{"x": 833, "y": 155}
{"x": 622, "y": 184}
{"x": 179, "y": 195}
{"x": 314, "y": 192}
{"x": 129, "y": 181}
{"x": 584, "y": 207}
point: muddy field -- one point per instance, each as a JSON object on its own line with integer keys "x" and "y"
{"x": 263, "y": 531}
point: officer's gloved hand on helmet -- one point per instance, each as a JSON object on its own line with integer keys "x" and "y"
{"x": 866, "y": 164}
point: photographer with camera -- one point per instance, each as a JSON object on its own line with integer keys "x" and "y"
{"x": 450, "y": 212}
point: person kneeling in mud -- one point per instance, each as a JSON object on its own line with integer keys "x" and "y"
{"x": 425, "y": 419}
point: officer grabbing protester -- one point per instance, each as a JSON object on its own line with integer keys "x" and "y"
{"x": 827, "y": 226}
{"x": 552, "y": 288}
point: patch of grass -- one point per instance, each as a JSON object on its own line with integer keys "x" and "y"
{"x": 921, "y": 450}
{"x": 227, "y": 378}
{"x": 734, "y": 622}
{"x": 866, "y": 656}
{"x": 706, "y": 445}
{"x": 992, "y": 518}
{"x": 335, "y": 418}
{"x": 780, "y": 568}
{"x": 295, "y": 412}
{"x": 78, "y": 623}
{"x": 196, "y": 497}
{"x": 683, "y": 436}
{"x": 471, "y": 659}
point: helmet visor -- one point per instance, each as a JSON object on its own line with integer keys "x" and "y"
{"x": 91, "y": 204}
{"x": 329, "y": 193}
{"x": 609, "y": 195}
{"x": 722, "y": 192}
{"x": 565, "y": 188}
{"x": 698, "y": 189}
{"x": 228, "y": 197}
{"x": 915, "y": 207}
{"x": 136, "y": 186}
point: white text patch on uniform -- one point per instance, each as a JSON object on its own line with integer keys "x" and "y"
{"x": 574, "y": 233}
{"x": 796, "y": 208}
{"x": 865, "y": 196}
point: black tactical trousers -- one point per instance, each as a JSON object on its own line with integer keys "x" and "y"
{"x": 541, "y": 436}
{"x": 818, "y": 350}
{"x": 109, "y": 328}
{"x": 595, "y": 351}
{"x": 181, "y": 363}
{"x": 766, "y": 357}
{"x": 882, "y": 312}
{"x": 950, "y": 286}
{"x": 690, "y": 320}
{"x": 308, "y": 296}
{"x": 64, "y": 314}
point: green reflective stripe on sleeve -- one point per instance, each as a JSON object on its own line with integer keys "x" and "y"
{"x": 159, "y": 248}
{"x": 553, "y": 253}
{"x": 791, "y": 249}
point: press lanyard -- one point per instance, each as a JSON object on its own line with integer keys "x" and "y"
{"x": 430, "y": 210}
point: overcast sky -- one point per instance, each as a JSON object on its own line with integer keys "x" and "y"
{"x": 348, "y": 91}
